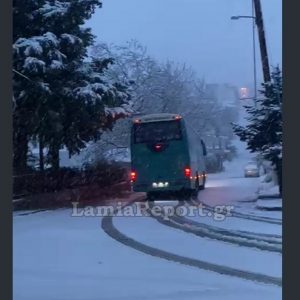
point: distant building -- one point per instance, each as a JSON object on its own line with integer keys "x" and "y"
{"x": 225, "y": 94}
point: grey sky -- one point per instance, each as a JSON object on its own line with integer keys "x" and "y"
{"x": 198, "y": 32}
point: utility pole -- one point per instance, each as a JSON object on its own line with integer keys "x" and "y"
{"x": 254, "y": 54}
{"x": 262, "y": 41}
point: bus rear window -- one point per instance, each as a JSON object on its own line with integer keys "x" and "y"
{"x": 157, "y": 132}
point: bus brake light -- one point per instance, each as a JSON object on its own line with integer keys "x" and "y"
{"x": 133, "y": 176}
{"x": 187, "y": 172}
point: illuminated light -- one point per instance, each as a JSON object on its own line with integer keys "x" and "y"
{"x": 178, "y": 117}
{"x": 137, "y": 121}
{"x": 166, "y": 183}
{"x": 154, "y": 184}
{"x": 187, "y": 172}
{"x": 133, "y": 176}
{"x": 157, "y": 147}
{"x": 244, "y": 93}
{"x": 160, "y": 184}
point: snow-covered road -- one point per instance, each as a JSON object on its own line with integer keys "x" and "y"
{"x": 57, "y": 256}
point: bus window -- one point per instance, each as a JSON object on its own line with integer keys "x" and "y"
{"x": 157, "y": 132}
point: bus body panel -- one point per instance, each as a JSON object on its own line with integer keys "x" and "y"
{"x": 196, "y": 153}
{"x": 160, "y": 167}
{"x": 168, "y": 166}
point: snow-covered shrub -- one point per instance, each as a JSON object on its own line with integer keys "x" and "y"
{"x": 263, "y": 134}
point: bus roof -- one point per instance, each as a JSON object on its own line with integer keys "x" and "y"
{"x": 157, "y": 118}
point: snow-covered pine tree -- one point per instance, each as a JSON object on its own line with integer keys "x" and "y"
{"x": 61, "y": 99}
{"x": 263, "y": 134}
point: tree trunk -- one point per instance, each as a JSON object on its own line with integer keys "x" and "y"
{"x": 54, "y": 156}
{"x": 20, "y": 150}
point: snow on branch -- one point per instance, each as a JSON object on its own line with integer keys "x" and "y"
{"x": 58, "y": 8}
{"x": 115, "y": 112}
{"x": 70, "y": 38}
{"x": 34, "y": 65}
{"x": 36, "y": 44}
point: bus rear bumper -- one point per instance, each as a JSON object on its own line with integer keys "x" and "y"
{"x": 170, "y": 186}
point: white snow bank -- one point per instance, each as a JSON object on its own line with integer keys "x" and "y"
{"x": 269, "y": 204}
{"x": 268, "y": 190}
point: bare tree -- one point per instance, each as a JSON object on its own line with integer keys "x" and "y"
{"x": 159, "y": 87}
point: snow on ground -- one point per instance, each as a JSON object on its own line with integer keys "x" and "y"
{"x": 233, "y": 223}
{"x": 60, "y": 257}
{"x": 221, "y": 190}
{"x": 256, "y": 212}
{"x": 268, "y": 190}
{"x": 269, "y": 198}
{"x": 230, "y": 187}
{"x": 269, "y": 204}
{"x": 167, "y": 238}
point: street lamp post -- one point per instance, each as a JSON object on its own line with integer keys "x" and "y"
{"x": 254, "y": 50}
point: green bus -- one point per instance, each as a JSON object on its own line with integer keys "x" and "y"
{"x": 167, "y": 156}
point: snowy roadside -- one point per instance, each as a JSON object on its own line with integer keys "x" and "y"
{"x": 111, "y": 201}
{"x": 57, "y": 256}
{"x": 252, "y": 196}
{"x": 268, "y": 196}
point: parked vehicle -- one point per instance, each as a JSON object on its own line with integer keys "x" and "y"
{"x": 251, "y": 170}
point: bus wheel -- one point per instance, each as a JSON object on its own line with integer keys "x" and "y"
{"x": 151, "y": 196}
{"x": 194, "y": 194}
{"x": 202, "y": 187}
{"x": 185, "y": 194}
{"x": 197, "y": 184}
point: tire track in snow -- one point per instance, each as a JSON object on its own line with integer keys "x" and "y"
{"x": 216, "y": 233}
{"x": 241, "y": 215}
{"x": 109, "y": 228}
{"x": 265, "y": 237}
{"x": 270, "y": 239}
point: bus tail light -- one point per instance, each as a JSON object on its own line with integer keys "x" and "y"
{"x": 158, "y": 147}
{"x": 133, "y": 176}
{"x": 187, "y": 172}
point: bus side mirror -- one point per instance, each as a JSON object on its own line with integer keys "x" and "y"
{"x": 203, "y": 148}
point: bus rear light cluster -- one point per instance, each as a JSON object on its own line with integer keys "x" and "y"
{"x": 132, "y": 176}
{"x": 187, "y": 172}
{"x": 160, "y": 184}
{"x": 202, "y": 175}
{"x": 158, "y": 147}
